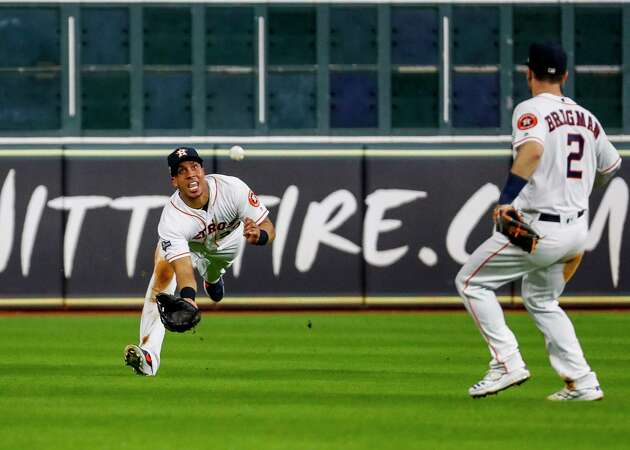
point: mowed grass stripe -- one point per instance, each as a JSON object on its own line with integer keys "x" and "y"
{"x": 269, "y": 381}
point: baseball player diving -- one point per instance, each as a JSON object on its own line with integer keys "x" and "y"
{"x": 203, "y": 226}
{"x": 560, "y": 150}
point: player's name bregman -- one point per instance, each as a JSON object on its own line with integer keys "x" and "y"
{"x": 561, "y": 117}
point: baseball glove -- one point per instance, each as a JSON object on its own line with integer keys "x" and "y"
{"x": 510, "y": 223}
{"x": 176, "y": 313}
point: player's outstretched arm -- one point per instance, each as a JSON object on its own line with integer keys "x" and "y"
{"x": 185, "y": 276}
{"x": 261, "y": 234}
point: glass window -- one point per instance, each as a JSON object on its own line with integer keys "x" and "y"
{"x": 353, "y": 36}
{"x": 476, "y": 100}
{"x": 230, "y": 101}
{"x": 415, "y": 100}
{"x": 292, "y": 100}
{"x": 167, "y": 36}
{"x": 30, "y": 75}
{"x": 414, "y": 36}
{"x": 601, "y": 93}
{"x": 230, "y": 36}
{"x": 353, "y": 100}
{"x": 30, "y": 101}
{"x": 104, "y": 36}
{"x": 105, "y": 100}
{"x": 167, "y": 100}
{"x": 292, "y": 36}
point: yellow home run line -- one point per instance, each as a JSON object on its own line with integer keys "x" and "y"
{"x": 253, "y": 153}
{"x": 303, "y": 301}
{"x": 263, "y": 153}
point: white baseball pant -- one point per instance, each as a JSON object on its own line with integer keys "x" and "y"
{"x": 544, "y": 275}
{"x": 209, "y": 265}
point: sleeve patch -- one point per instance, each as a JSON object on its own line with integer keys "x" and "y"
{"x": 253, "y": 199}
{"x": 527, "y": 121}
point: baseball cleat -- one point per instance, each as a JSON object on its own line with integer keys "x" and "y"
{"x": 215, "y": 290}
{"x": 139, "y": 360}
{"x": 498, "y": 380}
{"x": 588, "y": 394}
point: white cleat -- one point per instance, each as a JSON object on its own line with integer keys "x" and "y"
{"x": 587, "y": 394}
{"x": 139, "y": 360}
{"x": 498, "y": 380}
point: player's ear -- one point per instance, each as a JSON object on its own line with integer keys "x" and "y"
{"x": 564, "y": 77}
{"x": 173, "y": 182}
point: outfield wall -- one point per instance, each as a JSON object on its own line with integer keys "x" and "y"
{"x": 356, "y": 225}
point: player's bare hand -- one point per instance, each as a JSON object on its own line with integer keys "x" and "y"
{"x": 251, "y": 231}
{"x": 191, "y": 301}
{"x": 498, "y": 210}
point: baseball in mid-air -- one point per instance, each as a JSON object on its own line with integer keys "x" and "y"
{"x": 237, "y": 153}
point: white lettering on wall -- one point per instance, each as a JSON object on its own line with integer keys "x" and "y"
{"x": 467, "y": 219}
{"x": 77, "y": 206}
{"x": 34, "y": 213}
{"x": 283, "y": 225}
{"x": 7, "y": 219}
{"x": 318, "y": 228}
{"x": 321, "y": 225}
{"x": 614, "y": 206}
{"x": 139, "y": 207}
{"x": 269, "y": 201}
{"x": 378, "y": 202}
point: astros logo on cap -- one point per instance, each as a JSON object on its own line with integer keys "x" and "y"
{"x": 181, "y": 152}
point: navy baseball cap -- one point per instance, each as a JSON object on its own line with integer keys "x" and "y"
{"x": 182, "y": 154}
{"x": 547, "y": 59}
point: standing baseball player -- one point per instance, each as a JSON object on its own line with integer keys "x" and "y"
{"x": 560, "y": 150}
{"x": 203, "y": 226}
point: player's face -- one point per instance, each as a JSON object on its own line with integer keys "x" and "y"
{"x": 190, "y": 179}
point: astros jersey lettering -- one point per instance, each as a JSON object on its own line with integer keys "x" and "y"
{"x": 576, "y": 146}
{"x": 183, "y": 230}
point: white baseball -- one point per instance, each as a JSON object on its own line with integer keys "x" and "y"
{"x": 237, "y": 153}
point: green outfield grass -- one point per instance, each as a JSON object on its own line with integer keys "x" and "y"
{"x": 268, "y": 381}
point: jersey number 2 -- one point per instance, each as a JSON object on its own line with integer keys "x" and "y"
{"x": 574, "y": 155}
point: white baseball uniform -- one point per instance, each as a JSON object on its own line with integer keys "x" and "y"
{"x": 555, "y": 203}
{"x": 212, "y": 238}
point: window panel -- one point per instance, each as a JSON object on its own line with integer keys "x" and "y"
{"x": 29, "y": 37}
{"x": 415, "y": 36}
{"x": 105, "y": 99}
{"x": 230, "y": 36}
{"x": 601, "y": 94}
{"x": 167, "y": 100}
{"x": 30, "y": 101}
{"x": 292, "y": 36}
{"x": 104, "y": 36}
{"x": 476, "y": 100}
{"x": 598, "y": 44}
{"x": 230, "y": 101}
{"x": 415, "y": 100}
{"x": 353, "y": 100}
{"x": 167, "y": 36}
{"x": 292, "y": 100}
{"x": 353, "y": 36}
{"x": 475, "y": 35}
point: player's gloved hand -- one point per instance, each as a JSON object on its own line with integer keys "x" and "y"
{"x": 177, "y": 313}
{"x": 510, "y": 223}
